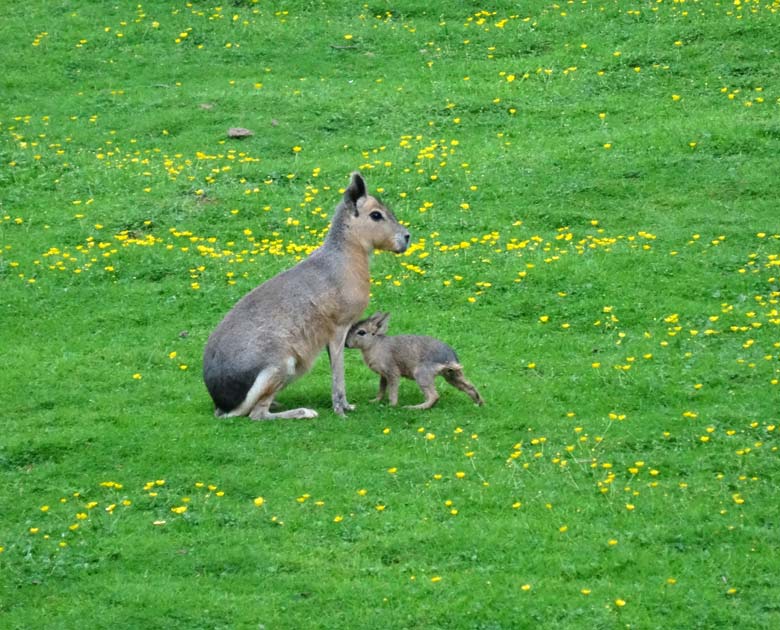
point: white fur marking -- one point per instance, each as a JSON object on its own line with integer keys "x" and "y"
{"x": 252, "y": 395}
{"x": 290, "y": 363}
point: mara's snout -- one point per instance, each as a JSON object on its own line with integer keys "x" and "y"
{"x": 402, "y": 242}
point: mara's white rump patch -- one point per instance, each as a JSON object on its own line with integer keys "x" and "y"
{"x": 290, "y": 364}
{"x": 254, "y": 393}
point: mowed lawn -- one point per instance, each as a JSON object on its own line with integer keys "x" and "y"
{"x": 591, "y": 189}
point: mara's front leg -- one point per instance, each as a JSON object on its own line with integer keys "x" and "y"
{"x": 382, "y": 389}
{"x": 338, "y": 386}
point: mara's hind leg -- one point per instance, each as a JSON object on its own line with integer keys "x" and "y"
{"x": 218, "y": 413}
{"x": 454, "y": 376}
{"x": 262, "y": 408}
{"x": 424, "y": 377}
{"x": 261, "y": 412}
{"x": 260, "y": 398}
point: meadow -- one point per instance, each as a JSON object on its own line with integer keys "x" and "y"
{"x": 591, "y": 189}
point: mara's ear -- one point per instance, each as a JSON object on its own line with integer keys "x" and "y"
{"x": 355, "y": 191}
{"x": 382, "y": 322}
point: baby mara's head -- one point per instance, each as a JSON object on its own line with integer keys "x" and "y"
{"x": 364, "y": 333}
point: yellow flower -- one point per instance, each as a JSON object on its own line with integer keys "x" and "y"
{"x": 460, "y": 475}
{"x": 525, "y": 587}
{"x": 259, "y": 501}
{"x": 338, "y": 518}
{"x": 620, "y": 603}
{"x": 181, "y": 509}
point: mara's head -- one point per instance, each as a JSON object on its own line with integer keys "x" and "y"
{"x": 365, "y": 332}
{"x": 366, "y": 220}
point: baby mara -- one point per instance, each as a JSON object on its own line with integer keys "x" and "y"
{"x": 414, "y": 357}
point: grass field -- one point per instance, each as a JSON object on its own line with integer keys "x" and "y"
{"x": 591, "y": 189}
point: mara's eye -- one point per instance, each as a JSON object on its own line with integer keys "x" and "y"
{"x": 361, "y": 333}
{"x": 376, "y": 215}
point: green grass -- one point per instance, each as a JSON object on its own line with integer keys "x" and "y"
{"x": 591, "y": 190}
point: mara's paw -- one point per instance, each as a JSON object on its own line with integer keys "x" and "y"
{"x": 291, "y": 414}
{"x": 303, "y": 413}
{"x": 342, "y": 408}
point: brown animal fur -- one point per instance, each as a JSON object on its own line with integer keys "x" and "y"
{"x": 274, "y": 333}
{"x": 414, "y": 357}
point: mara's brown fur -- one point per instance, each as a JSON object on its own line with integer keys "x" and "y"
{"x": 274, "y": 333}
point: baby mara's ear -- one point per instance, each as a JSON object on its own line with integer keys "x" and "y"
{"x": 381, "y": 321}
